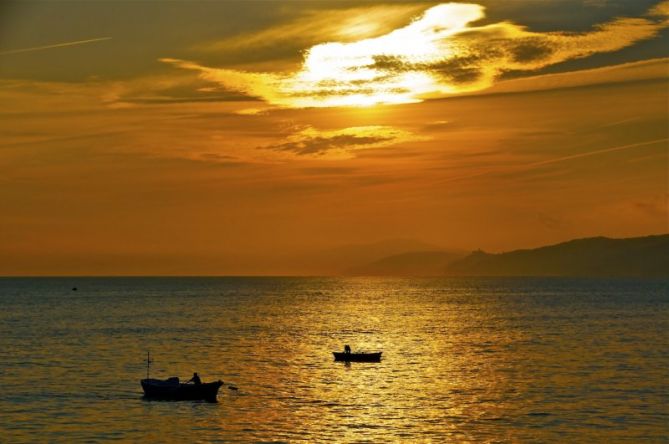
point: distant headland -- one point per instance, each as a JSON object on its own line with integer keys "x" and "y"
{"x": 646, "y": 256}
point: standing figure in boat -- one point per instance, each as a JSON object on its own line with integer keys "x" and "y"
{"x": 347, "y": 349}
{"x": 195, "y": 379}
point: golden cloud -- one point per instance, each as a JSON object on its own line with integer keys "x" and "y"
{"x": 645, "y": 70}
{"x": 342, "y": 143}
{"x": 437, "y": 54}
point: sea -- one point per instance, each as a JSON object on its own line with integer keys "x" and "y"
{"x": 464, "y": 359}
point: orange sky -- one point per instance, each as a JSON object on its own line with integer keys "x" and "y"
{"x": 221, "y": 139}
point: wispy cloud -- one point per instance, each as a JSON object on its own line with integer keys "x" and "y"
{"x": 439, "y": 53}
{"x": 343, "y": 143}
{"x": 55, "y": 45}
{"x": 652, "y": 69}
{"x": 312, "y": 27}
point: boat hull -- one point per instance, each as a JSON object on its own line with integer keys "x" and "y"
{"x": 357, "y": 357}
{"x": 174, "y": 391}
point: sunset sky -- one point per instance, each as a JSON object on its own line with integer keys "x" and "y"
{"x": 257, "y": 137}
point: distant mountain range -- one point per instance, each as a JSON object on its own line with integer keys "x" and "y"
{"x": 597, "y": 256}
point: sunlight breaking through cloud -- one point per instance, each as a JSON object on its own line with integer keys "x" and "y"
{"x": 439, "y": 53}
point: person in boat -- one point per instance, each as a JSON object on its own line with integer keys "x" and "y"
{"x": 195, "y": 379}
{"x": 347, "y": 349}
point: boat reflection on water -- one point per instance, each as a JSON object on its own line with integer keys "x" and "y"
{"x": 357, "y": 357}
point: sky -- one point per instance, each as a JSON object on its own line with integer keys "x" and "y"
{"x": 263, "y": 137}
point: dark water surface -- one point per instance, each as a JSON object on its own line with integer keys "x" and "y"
{"x": 483, "y": 360}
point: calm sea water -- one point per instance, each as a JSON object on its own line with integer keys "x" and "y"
{"x": 482, "y": 360}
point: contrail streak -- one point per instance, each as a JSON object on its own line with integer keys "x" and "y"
{"x": 532, "y": 165}
{"x": 592, "y": 153}
{"x": 57, "y": 45}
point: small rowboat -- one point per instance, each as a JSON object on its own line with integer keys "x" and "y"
{"x": 171, "y": 389}
{"x": 357, "y": 357}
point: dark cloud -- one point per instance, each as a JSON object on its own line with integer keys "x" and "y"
{"x": 530, "y": 50}
{"x": 342, "y": 143}
{"x": 322, "y": 144}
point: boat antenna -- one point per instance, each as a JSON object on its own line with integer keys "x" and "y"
{"x": 148, "y": 363}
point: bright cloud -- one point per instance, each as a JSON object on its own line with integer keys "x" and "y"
{"x": 438, "y": 53}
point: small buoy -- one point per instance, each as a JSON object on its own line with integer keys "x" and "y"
{"x": 74, "y": 288}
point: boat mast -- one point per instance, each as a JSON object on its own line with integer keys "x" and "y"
{"x": 148, "y": 363}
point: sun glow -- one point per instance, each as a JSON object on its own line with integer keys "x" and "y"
{"x": 437, "y": 54}
{"x": 355, "y": 74}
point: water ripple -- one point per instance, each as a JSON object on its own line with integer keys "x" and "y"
{"x": 479, "y": 360}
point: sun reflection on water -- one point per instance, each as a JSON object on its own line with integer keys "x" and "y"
{"x": 465, "y": 360}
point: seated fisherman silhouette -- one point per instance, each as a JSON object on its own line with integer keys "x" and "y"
{"x": 347, "y": 349}
{"x": 195, "y": 379}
